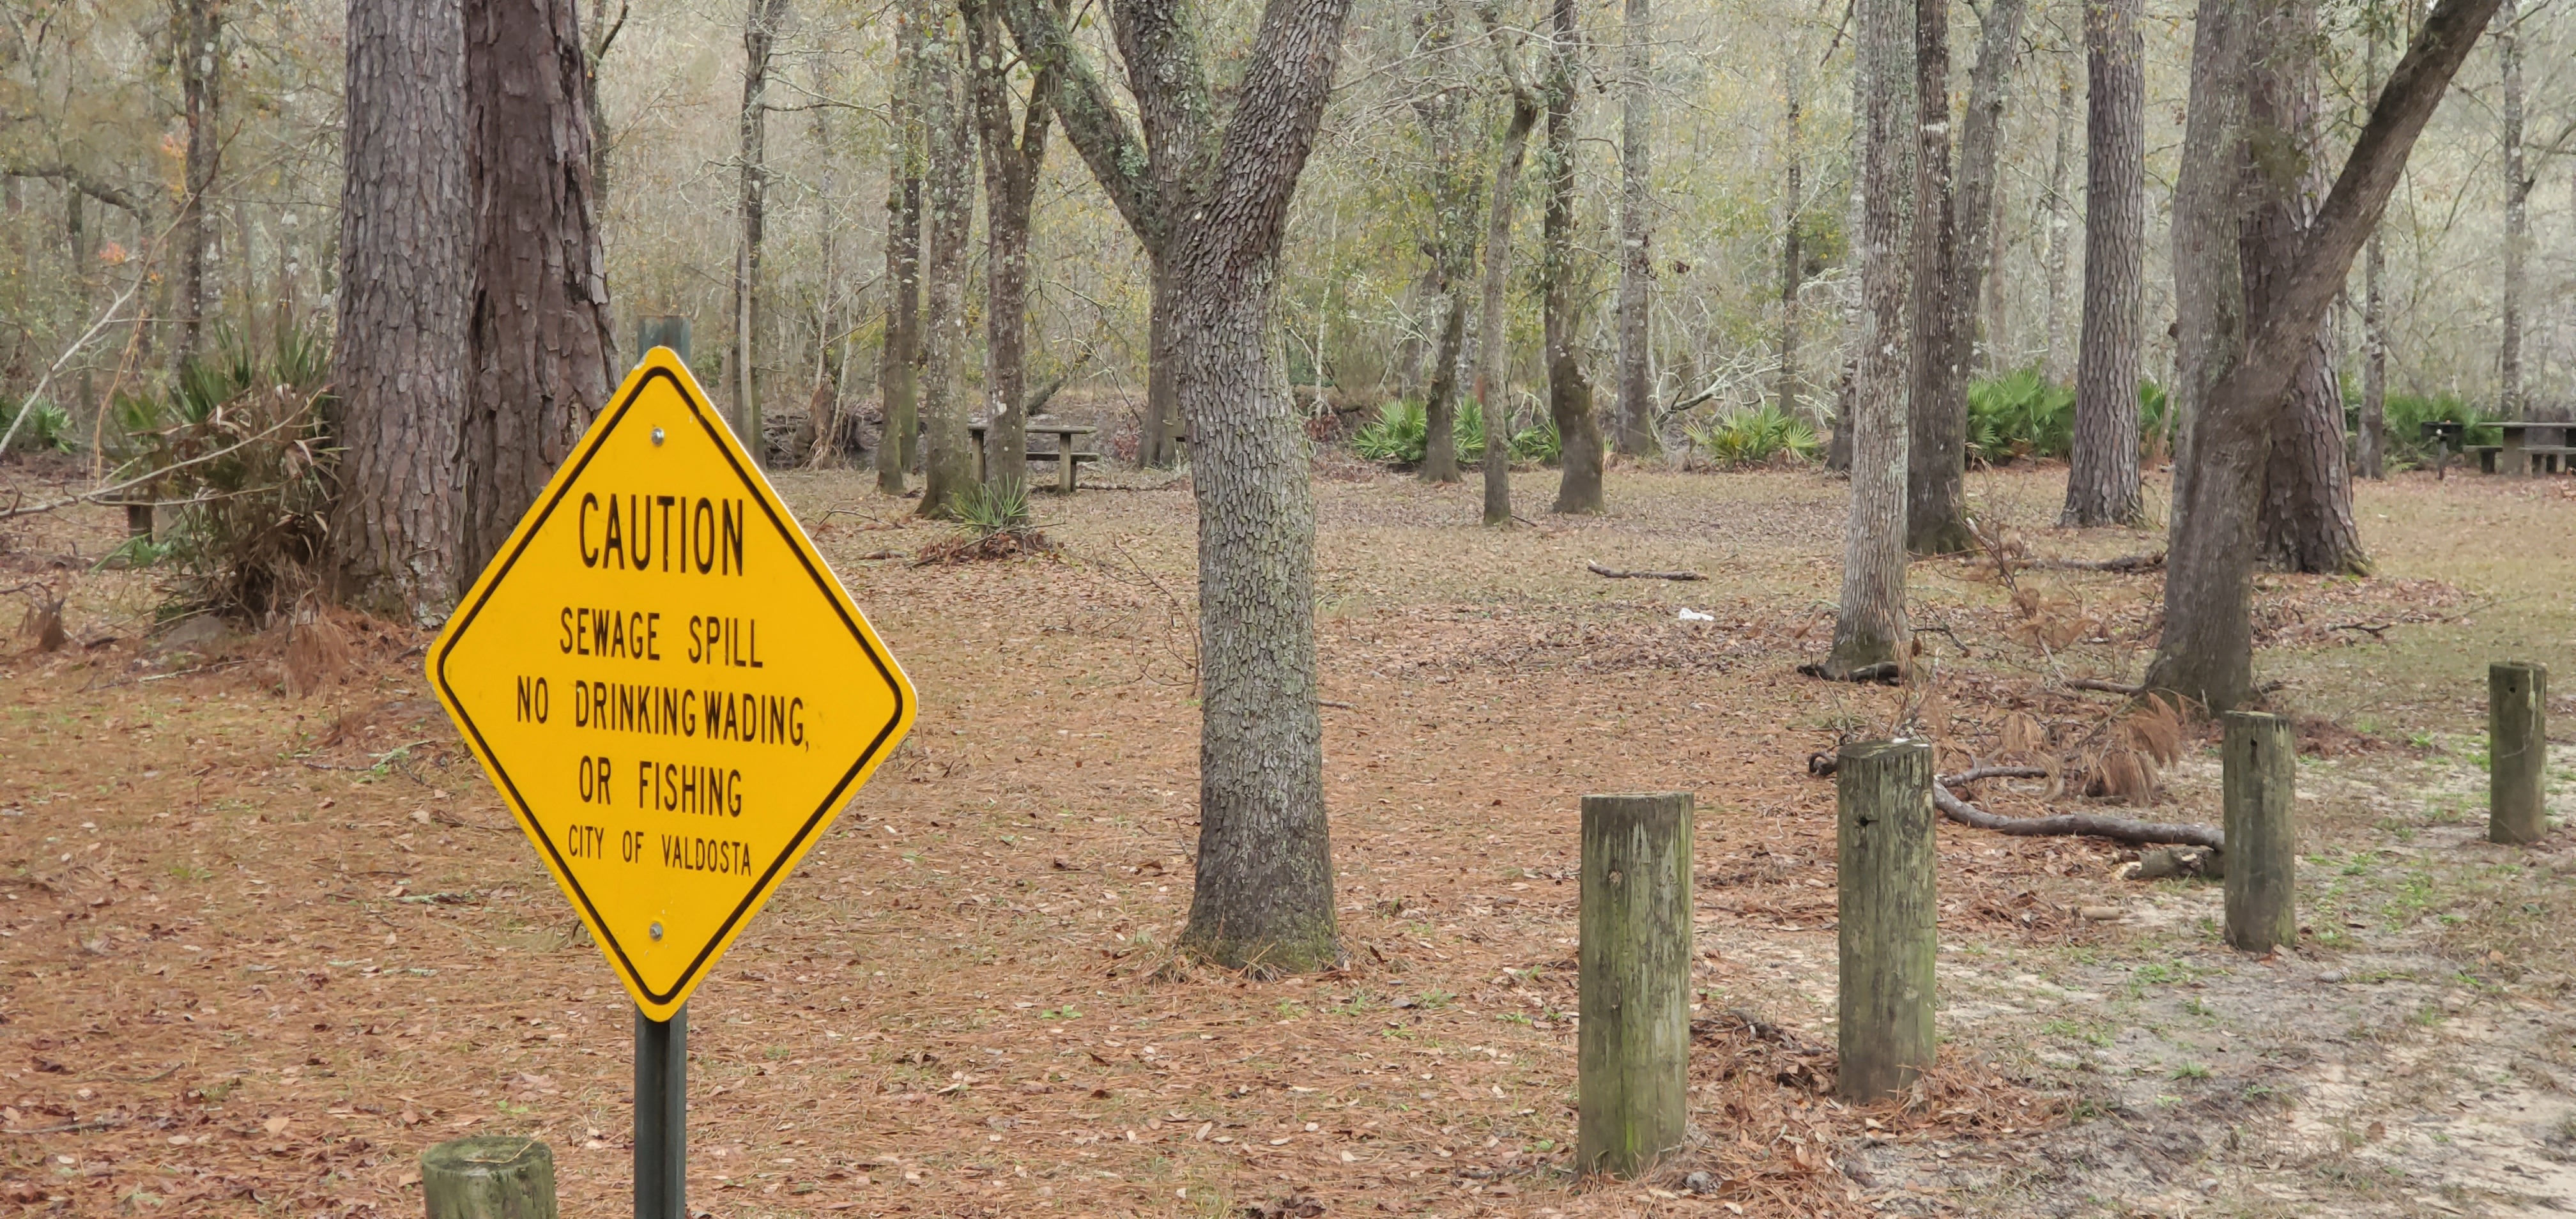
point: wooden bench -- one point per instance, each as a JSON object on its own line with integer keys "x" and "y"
{"x": 2485, "y": 453}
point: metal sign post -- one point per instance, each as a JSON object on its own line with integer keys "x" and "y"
{"x": 675, "y": 696}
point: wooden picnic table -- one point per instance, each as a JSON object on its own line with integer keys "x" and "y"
{"x": 2523, "y": 442}
{"x": 1066, "y": 459}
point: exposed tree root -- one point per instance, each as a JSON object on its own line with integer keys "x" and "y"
{"x": 2126, "y": 562}
{"x": 2106, "y": 687}
{"x": 2090, "y": 825}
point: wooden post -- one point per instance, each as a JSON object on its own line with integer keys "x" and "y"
{"x": 1884, "y": 899}
{"x": 1632, "y": 1055}
{"x": 2259, "y": 778}
{"x": 2517, "y": 750}
{"x": 491, "y": 1176}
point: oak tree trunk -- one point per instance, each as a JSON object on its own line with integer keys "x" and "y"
{"x": 2370, "y": 449}
{"x": 1980, "y": 210}
{"x": 1264, "y": 898}
{"x": 948, "y": 197}
{"x": 540, "y": 342}
{"x": 1636, "y": 419}
{"x": 398, "y": 366}
{"x": 1014, "y": 156}
{"x": 899, "y": 359}
{"x": 1937, "y": 401}
{"x": 196, "y": 32}
{"x": 1493, "y": 337}
{"x": 1210, "y": 206}
{"x": 1869, "y": 619}
{"x": 1455, "y": 174}
{"x": 2206, "y": 653}
{"x": 1569, "y": 392}
{"x": 2061, "y": 226}
{"x": 2102, "y": 474}
{"x": 2517, "y": 212}
{"x": 760, "y": 26}
{"x": 2306, "y": 522}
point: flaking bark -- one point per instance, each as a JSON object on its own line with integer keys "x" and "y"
{"x": 399, "y": 364}
{"x": 539, "y": 341}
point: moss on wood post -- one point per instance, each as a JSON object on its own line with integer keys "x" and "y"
{"x": 1633, "y": 1050}
{"x": 1884, "y": 901}
{"x": 489, "y": 1177}
{"x": 2517, "y": 750}
{"x": 2260, "y": 780}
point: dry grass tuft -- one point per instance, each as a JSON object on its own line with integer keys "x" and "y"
{"x": 317, "y": 650}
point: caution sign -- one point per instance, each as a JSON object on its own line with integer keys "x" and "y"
{"x": 669, "y": 687}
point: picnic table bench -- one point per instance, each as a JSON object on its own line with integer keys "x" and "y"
{"x": 1065, "y": 457}
{"x": 2525, "y": 444}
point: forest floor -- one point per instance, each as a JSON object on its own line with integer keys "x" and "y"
{"x": 258, "y": 951}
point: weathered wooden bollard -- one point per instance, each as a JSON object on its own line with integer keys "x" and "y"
{"x": 2517, "y": 750}
{"x": 2259, "y": 779}
{"x": 1632, "y": 1057}
{"x": 490, "y": 1176}
{"x": 1884, "y": 900}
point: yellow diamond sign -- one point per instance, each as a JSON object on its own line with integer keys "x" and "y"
{"x": 671, "y": 690}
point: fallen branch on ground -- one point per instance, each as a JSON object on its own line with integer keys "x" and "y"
{"x": 1885, "y": 672}
{"x": 2082, "y": 825}
{"x": 2106, "y": 687}
{"x": 2126, "y": 562}
{"x": 2090, "y": 825}
{"x": 1621, "y": 574}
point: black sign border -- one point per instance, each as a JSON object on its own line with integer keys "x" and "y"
{"x": 824, "y": 583}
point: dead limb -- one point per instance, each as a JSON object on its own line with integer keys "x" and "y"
{"x": 1615, "y": 573}
{"x": 2105, "y": 687}
{"x": 2089, "y": 825}
{"x": 2126, "y": 562}
{"x": 2081, "y": 825}
{"x": 1885, "y": 673}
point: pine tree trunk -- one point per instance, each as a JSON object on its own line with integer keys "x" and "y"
{"x": 1636, "y": 423}
{"x": 2206, "y": 653}
{"x": 1569, "y": 392}
{"x": 898, "y": 363}
{"x": 1869, "y": 622}
{"x": 1937, "y": 401}
{"x": 948, "y": 196}
{"x": 197, "y": 32}
{"x": 1157, "y": 443}
{"x": 539, "y": 329}
{"x": 1493, "y": 331}
{"x": 759, "y": 34}
{"x": 2102, "y": 474}
{"x": 2103, "y": 468}
{"x": 1793, "y": 268}
{"x": 2517, "y": 213}
{"x": 2061, "y": 228}
{"x": 399, "y": 364}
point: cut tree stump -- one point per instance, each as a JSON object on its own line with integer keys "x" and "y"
{"x": 2517, "y": 750}
{"x": 489, "y": 1177}
{"x": 2259, "y": 777}
{"x": 1632, "y": 1059}
{"x": 1885, "y": 903}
